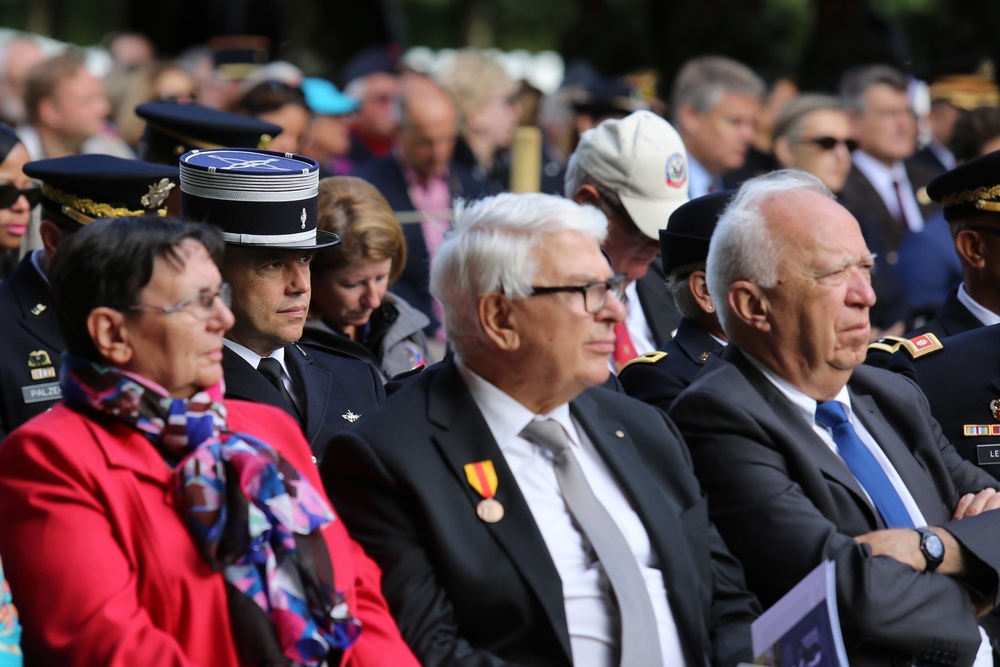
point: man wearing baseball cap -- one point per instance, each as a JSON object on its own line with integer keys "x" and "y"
{"x": 635, "y": 171}
{"x": 266, "y": 205}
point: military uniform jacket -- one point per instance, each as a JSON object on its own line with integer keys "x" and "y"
{"x": 658, "y": 306}
{"x": 962, "y": 384}
{"x": 954, "y": 318}
{"x": 336, "y": 391}
{"x": 661, "y": 376}
{"x": 30, "y": 349}
{"x": 784, "y": 502}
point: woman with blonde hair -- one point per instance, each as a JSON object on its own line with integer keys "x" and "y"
{"x": 352, "y": 310}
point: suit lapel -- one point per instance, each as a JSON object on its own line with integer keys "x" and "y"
{"x": 463, "y": 437}
{"x": 314, "y": 384}
{"x": 658, "y": 512}
{"x": 695, "y": 341}
{"x": 245, "y": 382}
{"x": 34, "y": 301}
{"x": 807, "y": 444}
{"x": 915, "y": 479}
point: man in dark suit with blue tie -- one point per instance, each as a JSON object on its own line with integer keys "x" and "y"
{"x": 807, "y": 455}
{"x": 520, "y": 513}
{"x": 266, "y": 205}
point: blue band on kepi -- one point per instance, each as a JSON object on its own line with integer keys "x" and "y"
{"x": 258, "y": 198}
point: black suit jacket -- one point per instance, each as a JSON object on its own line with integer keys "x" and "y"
{"x": 784, "y": 502}
{"x": 30, "y": 347}
{"x": 386, "y": 175}
{"x": 953, "y": 318}
{"x": 466, "y": 592}
{"x": 658, "y": 380}
{"x": 337, "y": 390}
{"x": 860, "y": 198}
{"x": 657, "y": 304}
{"x": 961, "y": 382}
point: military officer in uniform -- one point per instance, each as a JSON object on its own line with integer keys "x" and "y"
{"x": 959, "y": 374}
{"x": 973, "y": 215}
{"x": 266, "y": 204}
{"x": 75, "y": 191}
{"x": 658, "y": 377}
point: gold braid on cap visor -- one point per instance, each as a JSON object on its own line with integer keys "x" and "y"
{"x": 982, "y": 198}
{"x": 85, "y": 211}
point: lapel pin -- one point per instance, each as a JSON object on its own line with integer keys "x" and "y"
{"x": 995, "y": 408}
{"x": 38, "y": 309}
{"x": 351, "y": 417}
{"x": 620, "y": 434}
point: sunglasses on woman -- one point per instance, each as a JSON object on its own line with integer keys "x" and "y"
{"x": 9, "y": 194}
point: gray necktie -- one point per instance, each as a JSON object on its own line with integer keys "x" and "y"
{"x": 640, "y": 645}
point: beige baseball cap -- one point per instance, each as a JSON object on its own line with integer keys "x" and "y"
{"x": 643, "y": 160}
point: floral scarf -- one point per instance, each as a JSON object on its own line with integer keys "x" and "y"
{"x": 251, "y": 514}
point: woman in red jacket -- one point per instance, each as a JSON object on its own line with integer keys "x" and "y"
{"x": 147, "y": 521}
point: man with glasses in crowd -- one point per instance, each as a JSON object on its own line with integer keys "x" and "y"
{"x": 75, "y": 190}
{"x": 519, "y": 514}
{"x": 635, "y": 171}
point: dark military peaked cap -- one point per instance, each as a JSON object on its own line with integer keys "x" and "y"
{"x": 262, "y": 199}
{"x": 239, "y": 56}
{"x": 173, "y": 129}
{"x": 689, "y": 230}
{"x": 971, "y": 188}
{"x": 78, "y": 189}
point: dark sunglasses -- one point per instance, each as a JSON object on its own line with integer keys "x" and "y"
{"x": 10, "y": 193}
{"x": 829, "y": 143}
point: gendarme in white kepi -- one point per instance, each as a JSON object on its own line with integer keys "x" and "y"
{"x": 642, "y": 159}
{"x": 258, "y": 198}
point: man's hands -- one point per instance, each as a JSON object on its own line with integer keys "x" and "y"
{"x": 903, "y": 544}
{"x": 973, "y": 504}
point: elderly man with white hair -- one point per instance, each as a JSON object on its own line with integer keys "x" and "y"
{"x": 520, "y": 514}
{"x": 806, "y": 455}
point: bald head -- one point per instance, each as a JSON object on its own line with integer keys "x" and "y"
{"x": 427, "y": 126}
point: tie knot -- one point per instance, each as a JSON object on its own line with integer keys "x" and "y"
{"x": 546, "y": 433}
{"x": 831, "y": 414}
{"x": 270, "y": 368}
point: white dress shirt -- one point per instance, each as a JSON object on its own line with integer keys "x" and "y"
{"x": 590, "y": 615}
{"x": 700, "y": 181}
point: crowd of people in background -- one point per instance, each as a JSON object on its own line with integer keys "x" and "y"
{"x": 729, "y": 330}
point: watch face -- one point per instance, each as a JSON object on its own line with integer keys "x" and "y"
{"x": 934, "y": 546}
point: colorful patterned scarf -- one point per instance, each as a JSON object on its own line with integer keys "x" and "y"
{"x": 251, "y": 514}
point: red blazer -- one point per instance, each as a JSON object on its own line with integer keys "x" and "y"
{"x": 102, "y": 569}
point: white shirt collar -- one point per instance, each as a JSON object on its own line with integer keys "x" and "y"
{"x": 252, "y": 357}
{"x": 979, "y": 311}
{"x": 804, "y": 403}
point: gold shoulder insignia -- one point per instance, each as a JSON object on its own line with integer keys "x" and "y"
{"x": 886, "y": 344}
{"x": 647, "y": 358}
{"x": 918, "y": 346}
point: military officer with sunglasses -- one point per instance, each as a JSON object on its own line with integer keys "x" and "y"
{"x": 74, "y": 191}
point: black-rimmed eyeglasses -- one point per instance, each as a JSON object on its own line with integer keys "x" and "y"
{"x": 200, "y": 306}
{"x": 595, "y": 295}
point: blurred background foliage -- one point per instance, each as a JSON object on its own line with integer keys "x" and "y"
{"x": 814, "y": 40}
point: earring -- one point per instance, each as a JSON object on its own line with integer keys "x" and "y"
{"x": 711, "y": 308}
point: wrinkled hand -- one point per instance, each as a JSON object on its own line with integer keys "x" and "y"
{"x": 973, "y": 504}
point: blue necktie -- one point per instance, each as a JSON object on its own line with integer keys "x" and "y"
{"x": 864, "y": 466}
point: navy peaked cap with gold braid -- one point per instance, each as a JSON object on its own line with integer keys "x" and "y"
{"x": 78, "y": 189}
{"x": 970, "y": 189}
{"x": 173, "y": 129}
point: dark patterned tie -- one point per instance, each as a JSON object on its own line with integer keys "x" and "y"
{"x": 271, "y": 369}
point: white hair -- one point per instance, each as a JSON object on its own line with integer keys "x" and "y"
{"x": 742, "y": 246}
{"x": 491, "y": 249}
